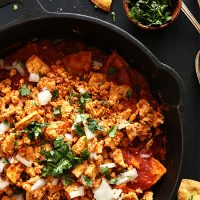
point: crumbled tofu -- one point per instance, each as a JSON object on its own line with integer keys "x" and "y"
{"x": 35, "y": 65}
{"x": 97, "y": 79}
{"x": 8, "y": 145}
{"x": 14, "y": 171}
{"x": 130, "y": 196}
{"x": 148, "y": 195}
{"x": 79, "y": 170}
{"x": 80, "y": 145}
{"x": 133, "y": 130}
{"x": 118, "y": 158}
{"x": 91, "y": 171}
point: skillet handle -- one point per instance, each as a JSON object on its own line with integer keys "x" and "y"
{"x": 30, "y": 9}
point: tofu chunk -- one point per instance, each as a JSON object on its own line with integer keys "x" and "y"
{"x": 35, "y": 65}
{"x": 91, "y": 171}
{"x": 80, "y": 145}
{"x": 118, "y": 158}
{"x": 14, "y": 171}
{"x": 79, "y": 170}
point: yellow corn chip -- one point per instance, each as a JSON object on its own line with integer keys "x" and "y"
{"x": 103, "y": 4}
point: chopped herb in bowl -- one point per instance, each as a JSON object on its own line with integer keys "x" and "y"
{"x": 151, "y": 14}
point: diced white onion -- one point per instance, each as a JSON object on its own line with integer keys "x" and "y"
{"x": 55, "y": 181}
{"x": 104, "y": 191}
{"x": 19, "y": 66}
{"x": 44, "y": 97}
{"x": 24, "y": 161}
{"x": 3, "y": 184}
{"x": 97, "y": 63}
{"x": 19, "y": 197}
{"x": 69, "y": 137}
{"x": 78, "y": 193}
{"x": 109, "y": 165}
{"x": 38, "y": 184}
{"x": 116, "y": 193}
{"x": 123, "y": 125}
{"x": 11, "y": 160}
{"x": 89, "y": 134}
{"x": 144, "y": 155}
{"x": 82, "y": 90}
{"x": 2, "y": 165}
{"x": 94, "y": 156}
{"x": 3, "y": 128}
{"x": 34, "y": 77}
{"x": 127, "y": 176}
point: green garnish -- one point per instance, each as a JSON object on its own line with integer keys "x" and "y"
{"x": 15, "y": 7}
{"x": 16, "y": 143}
{"x": 34, "y": 129}
{"x": 93, "y": 125}
{"x": 112, "y": 131}
{"x": 83, "y": 99}
{"x": 112, "y": 71}
{"x": 55, "y": 93}
{"x": 113, "y": 16}
{"x": 113, "y": 181}
{"x": 57, "y": 111}
{"x": 87, "y": 180}
{"x": 191, "y": 197}
{"x": 24, "y": 91}
{"x": 59, "y": 160}
{"x": 129, "y": 93}
{"x": 79, "y": 130}
{"x": 34, "y": 103}
{"x": 85, "y": 155}
{"x": 105, "y": 171}
{"x": 6, "y": 122}
{"x": 105, "y": 103}
{"x": 71, "y": 95}
{"x": 150, "y": 12}
{"x": 68, "y": 181}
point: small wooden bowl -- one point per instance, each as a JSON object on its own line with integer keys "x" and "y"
{"x": 176, "y": 9}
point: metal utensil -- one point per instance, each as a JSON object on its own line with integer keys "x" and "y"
{"x": 197, "y": 65}
{"x": 190, "y": 16}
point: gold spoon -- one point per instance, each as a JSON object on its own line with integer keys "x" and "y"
{"x": 197, "y": 65}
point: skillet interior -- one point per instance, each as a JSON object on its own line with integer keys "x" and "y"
{"x": 161, "y": 78}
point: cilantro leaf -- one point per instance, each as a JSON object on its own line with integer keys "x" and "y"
{"x": 105, "y": 171}
{"x": 191, "y": 197}
{"x": 60, "y": 159}
{"x": 24, "y": 91}
{"x": 6, "y": 122}
{"x": 87, "y": 180}
{"x": 93, "y": 125}
{"x": 85, "y": 155}
{"x": 34, "y": 129}
{"x": 129, "y": 94}
{"x": 71, "y": 95}
{"x": 55, "y": 93}
{"x": 57, "y": 111}
{"x": 79, "y": 130}
{"x": 112, "y": 131}
{"x": 83, "y": 99}
{"x": 68, "y": 181}
{"x": 113, "y": 181}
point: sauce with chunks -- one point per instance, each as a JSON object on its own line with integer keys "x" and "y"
{"x": 77, "y": 122}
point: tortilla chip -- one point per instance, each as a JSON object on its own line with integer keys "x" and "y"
{"x": 189, "y": 189}
{"x": 103, "y": 4}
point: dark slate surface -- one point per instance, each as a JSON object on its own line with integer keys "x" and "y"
{"x": 175, "y": 46}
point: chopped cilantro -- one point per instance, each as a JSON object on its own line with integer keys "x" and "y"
{"x": 16, "y": 143}
{"x": 191, "y": 197}
{"x": 34, "y": 103}
{"x": 85, "y": 155}
{"x": 34, "y": 129}
{"x": 112, "y": 71}
{"x": 79, "y": 130}
{"x": 87, "y": 180}
{"x": 24, "y": 91}
{"x": 83, "y": 99}
{"x": 68, "y": 181}
{"x": 105, "y": 171}
{"x": 55, "y": 93}
{"x": 113, "y": 181}
{"x": 93, "y": 125}
{"x": 105, "y": 103}
{"x": 112, "y": 131}
{"x": 71, "y": 95}
{"x": 129, "y": 94}
{"x": 57, "y": 111}
{"x": 6, "y": 122}
{"x": 113, "y": 16}
{"x": 59, "y": 160}
{"x": 15, "y": 7}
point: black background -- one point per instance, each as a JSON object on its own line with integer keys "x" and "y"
{"x": 175, "y": 46}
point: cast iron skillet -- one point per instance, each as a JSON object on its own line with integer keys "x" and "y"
{"x": 36, "y": 21}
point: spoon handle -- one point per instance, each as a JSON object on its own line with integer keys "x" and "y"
{"x": 190, "y": 16}
{"x": 198, "y": 2}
